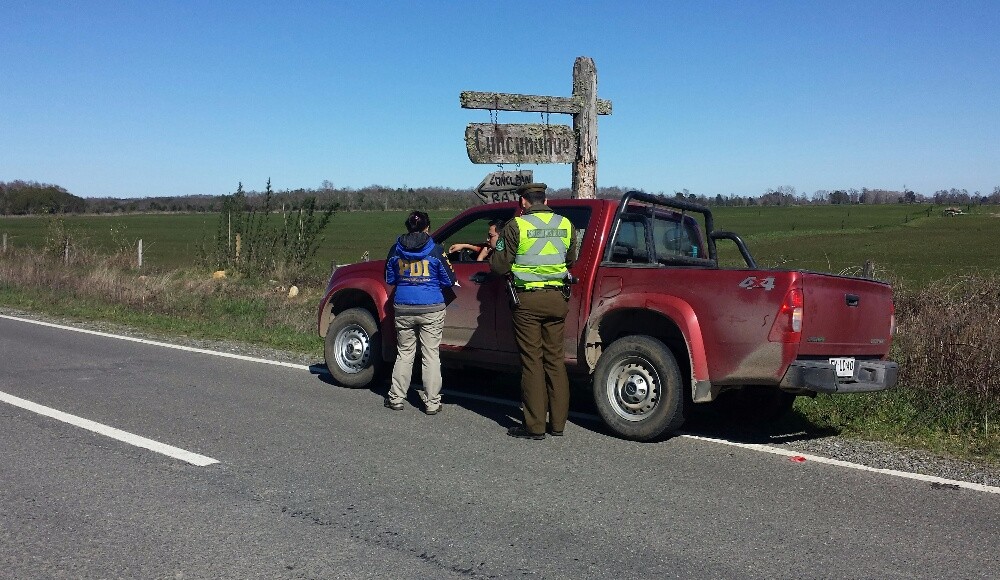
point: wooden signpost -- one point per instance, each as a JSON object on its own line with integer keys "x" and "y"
{"x": 543, "y": 143}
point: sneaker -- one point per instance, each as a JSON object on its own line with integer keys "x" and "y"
{"x": 394, "y": 406}
{"x": 521, "y": 433}
{"x": 555, "y": 433}
{"x": 433, "y": 411}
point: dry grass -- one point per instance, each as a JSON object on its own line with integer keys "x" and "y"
{"x": 946, "y": 345}
{"x": 225, "y": 308}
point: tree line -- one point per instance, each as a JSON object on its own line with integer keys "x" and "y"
{"x": 29, "y": 197}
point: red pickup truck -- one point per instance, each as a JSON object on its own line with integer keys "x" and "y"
{"x": 654, "y": 322}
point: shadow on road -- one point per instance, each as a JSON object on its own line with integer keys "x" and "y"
{"x": 496, "y": 396}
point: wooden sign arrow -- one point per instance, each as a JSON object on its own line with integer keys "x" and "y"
{"x": 502, "y": 185}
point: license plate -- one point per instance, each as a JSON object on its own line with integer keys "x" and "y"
{"x": 844, "y": 366}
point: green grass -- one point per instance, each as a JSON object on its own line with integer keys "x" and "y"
{"x": 172, "y": 241}
{"x": 904, "y": 416}
{"x": 194, "y": 316}
{"x": 905, "y": 244}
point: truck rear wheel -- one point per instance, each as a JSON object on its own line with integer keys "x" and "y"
{"x": 353, "y": 348}
{"x": 638, "y": 388}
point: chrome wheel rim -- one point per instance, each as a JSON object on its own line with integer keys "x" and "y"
{"x": 352, "y": 349}
{"x": 633, "y": 388}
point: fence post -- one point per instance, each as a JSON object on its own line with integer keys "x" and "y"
{"x": 66, "y": 254}
{"x": 237, "y": 247}
{"x": 5, "y": 242}
{"x": 140, "y": 253}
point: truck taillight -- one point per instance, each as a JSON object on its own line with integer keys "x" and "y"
{"x": 788, "y": 324}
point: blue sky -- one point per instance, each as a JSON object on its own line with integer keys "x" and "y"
{"x": 136, "y": 99}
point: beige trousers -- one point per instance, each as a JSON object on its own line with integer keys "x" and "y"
{"x": 409, "y": 328}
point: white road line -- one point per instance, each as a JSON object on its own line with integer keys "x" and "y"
{"x": 163, "y": 344}
{"x": 818, "y": 459}
{"x": 124, "y": 436}
{"x": 749, "y": 446}
{"x": 769, "y": 449}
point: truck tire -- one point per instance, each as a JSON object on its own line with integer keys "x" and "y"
{"x": 353, "y": 348}
{"x": 638, "y": 388}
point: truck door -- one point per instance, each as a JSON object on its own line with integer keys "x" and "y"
{"x": 471, "y": 319}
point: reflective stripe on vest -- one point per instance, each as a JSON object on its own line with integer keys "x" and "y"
{"x": 544, "y": 240}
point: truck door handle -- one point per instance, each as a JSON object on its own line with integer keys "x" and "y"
{"x": 479, "y": 277}
{"x": 852, "y": 300}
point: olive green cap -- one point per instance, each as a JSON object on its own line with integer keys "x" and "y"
{"x": 531, "y": 187}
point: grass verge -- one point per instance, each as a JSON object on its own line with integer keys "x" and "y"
{"x": 947, "y": 401}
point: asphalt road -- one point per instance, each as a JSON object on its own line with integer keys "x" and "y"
{"x": 318, "y": 481}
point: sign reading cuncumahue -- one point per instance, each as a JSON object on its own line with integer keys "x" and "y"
{"x": 528, "y": 143}
{"x": 502, "y": 185}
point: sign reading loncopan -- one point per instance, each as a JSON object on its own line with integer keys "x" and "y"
{"x": 530, "y": 143}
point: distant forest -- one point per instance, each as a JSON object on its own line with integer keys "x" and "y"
{"x": 30, "y": 197}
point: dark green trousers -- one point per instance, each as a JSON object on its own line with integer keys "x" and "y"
{"x": 539, "y": 324}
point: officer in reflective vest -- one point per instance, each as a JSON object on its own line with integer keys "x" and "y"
{"x": 536, "y": 248}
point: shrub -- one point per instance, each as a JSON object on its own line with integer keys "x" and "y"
{"x": 946, "y": 345}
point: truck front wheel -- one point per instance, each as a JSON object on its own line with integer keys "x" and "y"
{"x": 353, "y": 348}
{"x": 638, "y": 388}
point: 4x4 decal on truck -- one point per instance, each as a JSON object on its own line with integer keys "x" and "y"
{"x": 752, "y": 282}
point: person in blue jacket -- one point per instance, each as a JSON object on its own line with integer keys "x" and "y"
{"x": 421, "y": 272}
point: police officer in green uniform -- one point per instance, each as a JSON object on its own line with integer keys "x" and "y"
{"x": 536, "y": 248}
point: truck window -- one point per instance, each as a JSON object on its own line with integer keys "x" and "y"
{"x": 579, "y": 217}
{"x": 674, "y": 237}
{"x": 471, "y": 231}
{"x": 630, "y": 245}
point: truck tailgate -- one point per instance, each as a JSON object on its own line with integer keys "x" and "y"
{"x": 844, "y": 316}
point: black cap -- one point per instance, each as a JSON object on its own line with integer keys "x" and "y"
{"x": 531, "y": 187}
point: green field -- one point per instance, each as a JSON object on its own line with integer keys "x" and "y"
{"x": 172, "y": 240}
{"x": 907, "y": 243}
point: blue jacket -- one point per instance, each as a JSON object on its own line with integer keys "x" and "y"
{"x": 419, "y": 269}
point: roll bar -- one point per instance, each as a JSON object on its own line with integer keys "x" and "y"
{"x": 663, "y": 201}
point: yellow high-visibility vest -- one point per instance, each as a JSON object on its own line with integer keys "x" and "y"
{"x": 544, "y": 240}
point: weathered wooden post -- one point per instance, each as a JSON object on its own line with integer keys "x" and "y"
{"x": 5, "y": 242}
{"x": 539, "y": 143}
{"x": 66, "y": 254}
{"x": 140, "y": 253}
{"x": 585, "y": 126}
{"x": 237, "y": 247}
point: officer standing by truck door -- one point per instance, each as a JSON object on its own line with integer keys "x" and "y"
{"x": 536, "y": 248}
